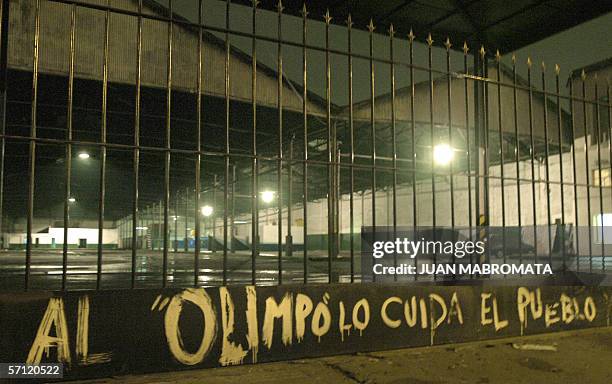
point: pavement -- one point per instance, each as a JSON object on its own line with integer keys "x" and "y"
{"x": 583, "y": 356}
{"x": 116, "y": 267}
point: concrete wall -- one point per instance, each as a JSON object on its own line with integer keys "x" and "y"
{"x": 55, "y": 236}
{"x": 17, "y": 225}
{"x": 144, "y": 330}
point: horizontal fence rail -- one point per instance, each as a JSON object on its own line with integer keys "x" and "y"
{"x": 159, "y": 144}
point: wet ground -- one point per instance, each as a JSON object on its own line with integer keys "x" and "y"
{"x": 565, "y": 357}
{"x": 116, "y": 267}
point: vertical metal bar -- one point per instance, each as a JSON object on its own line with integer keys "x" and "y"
{"x": 4, "y": 31}
{"x": 467, "y": 130}
{"x": 575, "y": 173}
{"x": 546, "y": 162}
{"x": 447, "y": 45}
{"x": 532, "y": 153}
{"x": 609, "y": 138}
{"x": 167, "y": 152}
{"x": 349, "y": 23}
{"x": 477, "y": 89}
{"x": 587, "y": 163}
{"x": 102, "y": 182}
{"x": 305, "y": 144}
{"x": 560, "y": 133}
{"x": 255, "y": 161}
{"x": 330, "y": 151}
{"x": 431, "y": 137}
{"x": 136, "y": 150}
{"x": 279, "y": 169}
{"x": 161, "y": 228}
{"x": 176, "y": 217}
{"x": 337, "y": 205}
{"x": 373, "y": 130}
{"x": 411, "y": 37}
{"x": 186, "y": 216}
{"x": 518, "y": 159}
{"x": 226, "y": 158}
{"x": 233, "y": 213}
{"x": 599, "y": 138}
{"x": 486, "y": 157}
{"x": 213, "y": 238}
{"x": 68, "y": 164}
{"x": 32, "y": 149}
{"x": 289, "y": 240}
{"x": 501, "y": 154}
{"x": 393, "y": 141}
{"x": 198, "y": 164}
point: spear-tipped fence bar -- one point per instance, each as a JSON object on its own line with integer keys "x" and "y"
{"x": 136, "y": 150}
{"x": 394, "y": 141}
{"x": 4, "y": 23}
{"x": 198, "y": 161}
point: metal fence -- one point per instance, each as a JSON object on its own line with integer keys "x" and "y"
{"x": 201, "y": 163}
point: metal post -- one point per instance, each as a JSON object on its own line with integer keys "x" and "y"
{"x": 186, "y": 237}
{"x": 167, "y": 152}
{"x": 233, "y": 205}
{"x": 32, "y": 148}
{"x": 349, "y": 23}
{"x": 609, "y": 140}
{"x": 136, "y": 150}
{"x": 393, "y": 140}
{"x": 432, "y": 142}
{"x": 68, "y": 159}
{"x": 305, "y": 148}
{"x": 468, "y": 144}
{"x": 330, "y": 151}
{"x": 518, "y": 159}
{"x": 546, "y": 163}
{"x": 176, "y": 217}
{"x": 102, "y": 182}
{"x": 599, "y": 168}
{"x": 583, "y": 76}
{"x": 198, "y": 165}
{"x": 212, "y": 238}
{"x": 279, "y": 169}
{"x": 289, "y": 239}
{"x": 411, "y": 37}
{"x": 254, "y": 161}
{"x": 501, "y": 154}
{"x": 562, "y": 186}
{"x": 372, "y": 130}
{"x": 447, "y": 45}
{"x": 4, "y": 31}
{"x": 532, "y": 153}
{"x": 575, "y": 173}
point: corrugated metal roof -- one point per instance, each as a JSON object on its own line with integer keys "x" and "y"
{"x": 498, "y": 24}
{"x": 55, "y": 52}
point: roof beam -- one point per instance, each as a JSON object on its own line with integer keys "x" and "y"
{"x": 513, "y": 14}
{"x": 448, "y": 15}
{"x": 390, "y": 13}
{"x": 462, "y": 7}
